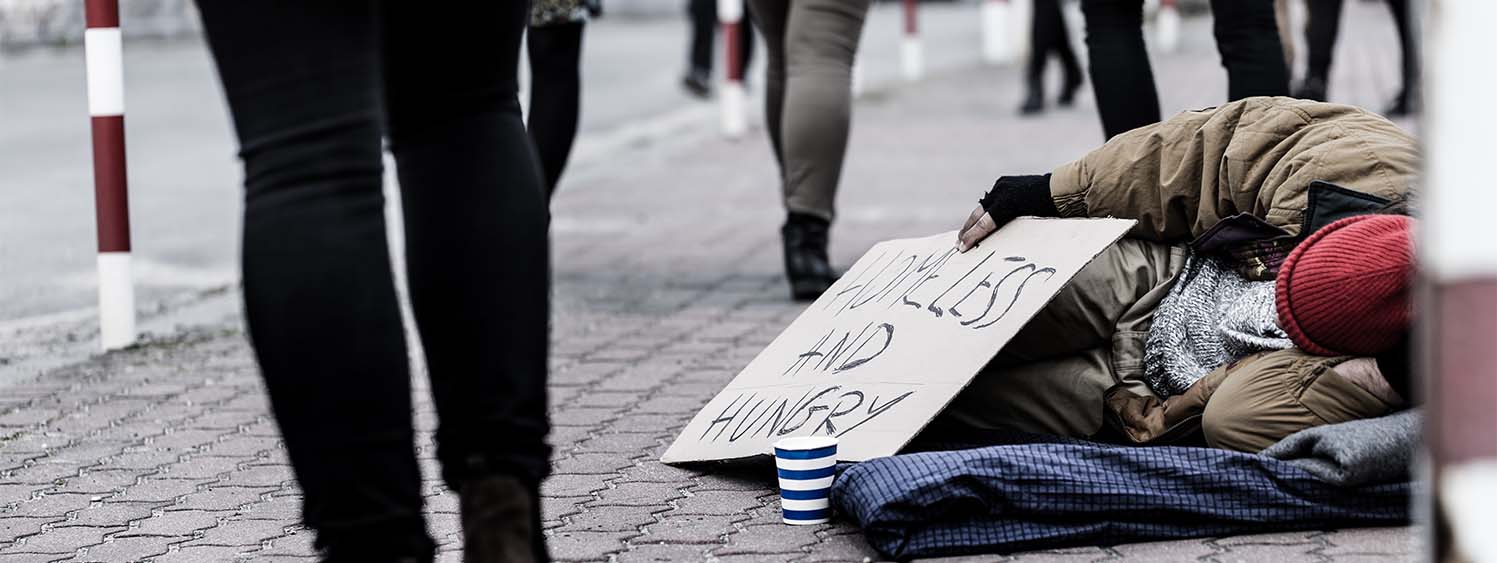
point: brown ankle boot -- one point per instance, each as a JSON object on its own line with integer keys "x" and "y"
{"x": 501, "y": 521}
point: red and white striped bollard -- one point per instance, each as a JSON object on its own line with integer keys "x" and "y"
{"x": 103, "y": 53}
{"x": 911, "y": 54}
{"x": 734, "y": 100}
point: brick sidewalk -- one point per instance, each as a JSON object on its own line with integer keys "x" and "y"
{"x": 667, "y": 283}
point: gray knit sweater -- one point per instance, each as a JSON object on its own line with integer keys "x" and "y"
{"x": 1211, "y": 317}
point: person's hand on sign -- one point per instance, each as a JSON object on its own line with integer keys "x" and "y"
{"x": 1011, "y": 197}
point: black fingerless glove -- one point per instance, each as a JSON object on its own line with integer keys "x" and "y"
{"x": 1017, "y": 196}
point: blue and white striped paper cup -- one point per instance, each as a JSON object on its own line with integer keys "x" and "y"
{"x": 806, "y": 465}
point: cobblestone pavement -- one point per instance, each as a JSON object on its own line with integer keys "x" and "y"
{"x": 667, "y": 283}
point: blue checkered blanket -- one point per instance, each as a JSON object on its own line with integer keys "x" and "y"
{"x": 1042, "y": 495}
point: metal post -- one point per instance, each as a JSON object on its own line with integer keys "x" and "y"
{"x": 106, "y": 108}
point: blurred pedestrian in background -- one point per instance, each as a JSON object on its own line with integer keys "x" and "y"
{"x": 314, "y": 89}
{"x": 1048, "y": 35}
{"x": 1320, "y": 35}
{"x": 1247, "y": 37}
{"x": 703, "y": 13}
{"x": 554, "y": 43}
{"x": 808, "y": 110}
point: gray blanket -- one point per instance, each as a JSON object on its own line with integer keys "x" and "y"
{"x": 1376, "y": 450}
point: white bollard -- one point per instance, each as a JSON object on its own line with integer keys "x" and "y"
{"x": 733, "y": 100}
{"x": 995, "y": 43}
{"x": 1167, "y": 27}
{"x": 911, "y": 54}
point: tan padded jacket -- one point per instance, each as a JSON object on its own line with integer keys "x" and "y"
{"x": 1257, "y": 156}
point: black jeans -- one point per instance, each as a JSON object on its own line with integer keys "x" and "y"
{"x": 1247, "y": 38}
{"x": 314, "y": 87}
{"x": 704, "y": 29}
{"x": 1325, "y": 25}
{"x": 555, "y": 94}
{"x": 1048, "y": 35}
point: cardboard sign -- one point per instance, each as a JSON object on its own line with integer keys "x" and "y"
{"x": 891, "y": 343}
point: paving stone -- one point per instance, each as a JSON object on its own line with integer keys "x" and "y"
{"x": 1271, "y": 552}
{"x": 584, "y": 546}
{"x": 845, "y": 547}
{"x": 1373, "y": 541}
{"x": 716, "y": 502}
{"x": 260, "y": 476}
{"x": 60, "y": 540}
{"x": 216, "y": 497}
{"x": 691, "y": 528}
{"x": 655, "y": 553}
{"x": 202, "y": 467}
{"x": 112, "y": 513}
{"x": 32, "y": 557}
{"x": 49, "y": 506}
{"x": 639, "y": 494}
{"x": 12, "y": 527}
{"x": 241, "y": 532}
{"x": 619, "y": 443}
{"x": 176, "y": 523}
{"x": 201, "y": 553}
{"x": 161, "y": 490}
{"x": 556, "y": 507}
{"x": 97, "y": 482}
{"x": 611, "y": 518}
{"x": 575, "y": 485}
{"x": 770, "y": 538}
{"x": 592, "y": 463}
{"x": 127, "y": 549}
{"x": 1167, "y": 551}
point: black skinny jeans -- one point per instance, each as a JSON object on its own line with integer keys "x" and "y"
{"x": 314, "y": 87}
{"x": 1048, "y": 35}
{"x": 1247, "y": 37}
{"x": 1325, "y": 25}
{"x": 555, "y": 94}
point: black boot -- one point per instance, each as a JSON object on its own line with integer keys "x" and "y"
{"x": 1400, "y": 106}
{"x": 501, "y": 519}
{"x": 1034, "y": 102}
{"x": 1313, "y": 88}
{"x": 698, "y": 84}
{"x": 806, "y": 264}
{"x": 1068, "y": 91}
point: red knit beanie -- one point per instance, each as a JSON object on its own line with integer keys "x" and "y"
{"x": 1345, "y": 289}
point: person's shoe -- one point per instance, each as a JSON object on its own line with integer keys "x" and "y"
{"x": 1068, "y": 92}
{"x": 501, "y": 521}
{"x": 806, "y": 264}
{"x": 698, "y": 84}
{"x": 1034, "y": 102}
{"x": 1400, "y": 106}
{"x": 1313, "y": 88}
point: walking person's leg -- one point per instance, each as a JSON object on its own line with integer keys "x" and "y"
{"x": 1408, "y": 53}
{"x": 1247, "y": 36}
{"x": 703, "y": 14}
{"x": 477, "y": 259}
{"x": 1042, "y": 36}
{"x": 1068, "y": 60}
{"x": 769, "y": 16}
{"x": 746, "y": 40}
{"x": 821, "y": 41}
{"x": 318, "y": 293}
{"x": 1320, "y": 47}
{"x": 1122, "y": 79}
{"x": 555, "y": 94}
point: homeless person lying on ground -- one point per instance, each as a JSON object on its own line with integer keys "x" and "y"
{"x": 1263, "y": 291}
